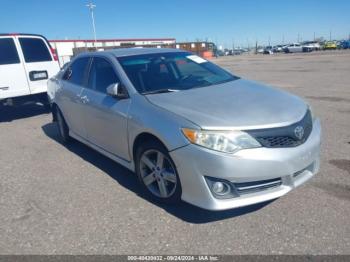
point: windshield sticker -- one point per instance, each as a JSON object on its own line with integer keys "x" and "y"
{"x": 196, "y": 59}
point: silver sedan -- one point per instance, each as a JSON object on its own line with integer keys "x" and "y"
{"x": 189, "y": 129}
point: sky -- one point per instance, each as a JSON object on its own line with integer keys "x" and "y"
{"x": 225, "y": 22}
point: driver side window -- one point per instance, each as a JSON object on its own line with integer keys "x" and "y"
{"x": 102, "y": 75}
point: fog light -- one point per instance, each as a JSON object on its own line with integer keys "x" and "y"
{"x": 220, "y": 187}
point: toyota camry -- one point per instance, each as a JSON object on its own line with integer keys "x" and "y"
{"x": 189, "y": 129}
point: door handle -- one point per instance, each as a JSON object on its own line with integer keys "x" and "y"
{"x": 84, "y": 99}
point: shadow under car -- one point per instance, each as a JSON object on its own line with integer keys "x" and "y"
{"x": 10, "y": 113}
{"x": 127, "y": 179}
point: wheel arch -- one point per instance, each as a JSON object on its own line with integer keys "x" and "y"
{"x": 142, "y": 138}
{"x": 54, "y": 112}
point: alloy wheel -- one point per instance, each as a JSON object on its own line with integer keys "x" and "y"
{"x": 158, "y": 173}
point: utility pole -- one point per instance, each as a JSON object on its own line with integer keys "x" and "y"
{"x": 330, "y": 35}
{"x": 91, "y": 6}
{"x": 314, "y": 36}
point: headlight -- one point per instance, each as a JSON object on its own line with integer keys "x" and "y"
{"x": 229, "y": 142}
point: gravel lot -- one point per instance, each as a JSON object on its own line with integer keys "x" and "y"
{"x": 59, "y": 200}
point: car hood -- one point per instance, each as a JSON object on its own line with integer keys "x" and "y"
{"x": 239, "y": 104}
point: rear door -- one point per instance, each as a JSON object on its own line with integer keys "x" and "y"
{"x": 13, "y": 81}
{"x": 69, "y": 98}
{"x": 39, "y": 62}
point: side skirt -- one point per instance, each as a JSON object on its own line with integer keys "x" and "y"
{"x": 127, "y": 164}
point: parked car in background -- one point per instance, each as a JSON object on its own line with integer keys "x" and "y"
{"x": 297, "y": 48}
{"x": 237, "y": 51}
{"x": 345, "y": 44}
{"x": 260, "y": 50}
{"x": 268, "y": 50}
{"x": 26, "y": 63}
{"x": 189, "y": 129}
{"x": 219, "y": 53}
{"x": 277, "y": 49}
{"x": 330, "y": 45}
{"x": 284, "y": 48}
{"x": 293, "y": 48}
{"x": 312, "y": 45}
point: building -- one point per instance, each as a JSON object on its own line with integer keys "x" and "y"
{"x": 66, "y": 48}
{"x": 204, "y": 49}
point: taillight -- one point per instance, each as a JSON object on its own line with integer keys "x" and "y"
{"x": 54, "y": 54}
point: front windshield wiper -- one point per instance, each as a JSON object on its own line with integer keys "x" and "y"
{"x": 159, "y": 91}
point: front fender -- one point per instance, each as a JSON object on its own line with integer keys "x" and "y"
{"x": 144, "y": 117}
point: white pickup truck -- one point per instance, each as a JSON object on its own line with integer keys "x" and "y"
{"x": 26, "y": 63}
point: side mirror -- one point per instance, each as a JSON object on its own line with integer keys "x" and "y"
{"x": 118, "y": 91}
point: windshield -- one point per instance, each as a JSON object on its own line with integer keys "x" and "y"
{"x": 152, "y": 73}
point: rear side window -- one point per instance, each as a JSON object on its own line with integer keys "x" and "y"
{"x": 34, "y": 50}
{"x": 8, "y": 52}
{"x": 102, "y": 75}
{"x": 76, "y": 71}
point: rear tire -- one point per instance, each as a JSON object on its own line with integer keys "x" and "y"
{"x": 63, "y": 129}
{"x": 157, "y": 173}
{"x": 44, "y": 100}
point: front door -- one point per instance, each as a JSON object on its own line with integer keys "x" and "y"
{"x": 106, "y": 116}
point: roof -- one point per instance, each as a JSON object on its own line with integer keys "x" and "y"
{"x": 113, "y": 40}
{"x": 24, "y": 34}
{"x": 15, "y": 34}
{"x": 120, "y": 52}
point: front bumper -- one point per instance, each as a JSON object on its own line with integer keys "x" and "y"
{"x": 293, "y": 166}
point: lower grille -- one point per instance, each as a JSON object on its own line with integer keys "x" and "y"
{"x": 279, "y": 141}
{"x": 256, "y": 186}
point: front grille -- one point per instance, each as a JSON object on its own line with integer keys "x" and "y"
{"x": 279, "y": 141}
{"x": 256, "y": 186}
{"x": 284, "y": 136}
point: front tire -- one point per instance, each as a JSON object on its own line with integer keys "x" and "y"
{"x": 63, "y": 129}
{"x": 157, "y": 173}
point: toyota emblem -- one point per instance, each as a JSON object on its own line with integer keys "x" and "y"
{"x": 299, "y": 132}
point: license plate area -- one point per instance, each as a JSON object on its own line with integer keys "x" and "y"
{"x": 38, "y": 75}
